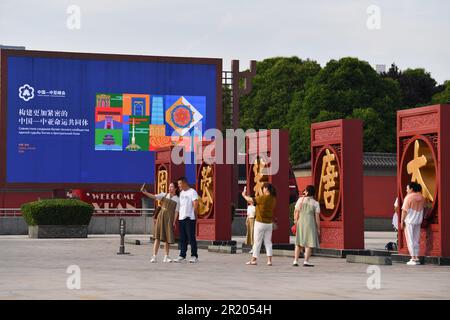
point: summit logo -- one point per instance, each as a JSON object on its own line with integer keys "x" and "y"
{"x": 26, "y": 92}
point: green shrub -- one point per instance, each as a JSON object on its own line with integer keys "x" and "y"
{"x": 57, "y": 212}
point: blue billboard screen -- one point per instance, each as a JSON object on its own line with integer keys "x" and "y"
{"x": 99, "y": 121}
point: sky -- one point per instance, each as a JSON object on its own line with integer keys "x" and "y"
{"x": 412, "y": 34}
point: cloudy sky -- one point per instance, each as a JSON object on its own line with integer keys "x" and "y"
{"x": 413, "y": 33}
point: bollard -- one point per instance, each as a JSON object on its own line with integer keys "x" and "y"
{"x": 122, "y": 238}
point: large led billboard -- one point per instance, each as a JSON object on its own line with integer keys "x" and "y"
{"x": 75, "y": 119}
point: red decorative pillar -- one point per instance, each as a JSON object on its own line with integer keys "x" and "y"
{"x": 262, "y": 148}
{"x": 423, "y": 156}
{"x": 166, "y": 172}
{"x": 337, "y": 171}
{"x": 214, "y": 190}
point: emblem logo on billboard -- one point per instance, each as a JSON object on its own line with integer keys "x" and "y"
{"x": 26, "y": 92}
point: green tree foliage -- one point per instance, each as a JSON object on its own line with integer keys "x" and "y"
{"x": 293, "y": 93}
{"x": 417, "y": 86}
{"x": 277, "y": 97}
{"x": 278, "y": 82}
{"x": 226, "y": 108}
{"x": 351, "y": 88}
{"x": 444, "y": 95}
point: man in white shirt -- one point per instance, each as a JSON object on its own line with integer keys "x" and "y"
{"x": 187, "y": 220}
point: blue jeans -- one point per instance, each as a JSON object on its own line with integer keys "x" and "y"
{"x": 187, "y": 234}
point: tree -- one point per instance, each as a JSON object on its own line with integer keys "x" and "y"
{"x": 293, "y": 93}
{"x": 443, "y": 96}
{"x": 278, "y": 80}
{"x": 226, "y": 108}
{"x": 374, "y": 130}
{"x": 393, "y": 72}
{"x": 351, "y": 88}
{"x": 277, "y": 98}
{"x": 417, "y": 85}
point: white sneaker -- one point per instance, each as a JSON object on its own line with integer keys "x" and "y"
{"x": 193, "y": 260}
{"x": 251, "y": 251}
{"x": 167, "y": 259}
{"x": 179, "y": 259}
{"x": 412, "y": 263}
{"x": 153, "y": 259}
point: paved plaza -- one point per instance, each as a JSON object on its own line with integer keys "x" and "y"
{"x": 36, "y": 269}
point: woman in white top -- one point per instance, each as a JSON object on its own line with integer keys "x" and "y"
{"x": 411, "y": 219}
{"x": 250, "y": 223}
{"x": 307, "y": 219}
{"x": 165, "y": 221}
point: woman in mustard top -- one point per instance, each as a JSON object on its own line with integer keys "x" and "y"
{"x": 265, "y": 204}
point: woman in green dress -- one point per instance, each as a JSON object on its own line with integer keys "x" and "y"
{"x": 307, "y": 220}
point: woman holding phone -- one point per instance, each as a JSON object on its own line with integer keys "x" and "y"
{"x": 166, "y": 219}
{"x": 265, "y": 205}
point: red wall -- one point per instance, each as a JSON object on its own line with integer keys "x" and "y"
{"x": 302, "y": 182}
{"x": 16, "y": 199}
{"x": 379, "y": 194}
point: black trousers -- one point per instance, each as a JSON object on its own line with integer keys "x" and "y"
{"x": 187, "y": 234}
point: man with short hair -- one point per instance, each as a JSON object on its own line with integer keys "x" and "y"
{"x": 187, "y": 220}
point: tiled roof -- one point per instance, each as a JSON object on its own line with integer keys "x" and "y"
{"x": 370, "y": 160}
{"x": 380, "y": 160}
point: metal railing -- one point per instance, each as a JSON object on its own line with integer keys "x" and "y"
{"x": 114, "y": 212}
{"x": 129, "y": 212}
{"x": 240, "y": 212}
{"x": 10, "y": 212}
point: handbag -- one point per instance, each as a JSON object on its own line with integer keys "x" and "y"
{"x": 158, "y": 209}
{"x": 294, "y": 227}
{"x": 427, "y": 216}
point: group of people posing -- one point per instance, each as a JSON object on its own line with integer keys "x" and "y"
{"x": 180, "y": 204}
{"x": 260, "y": 224}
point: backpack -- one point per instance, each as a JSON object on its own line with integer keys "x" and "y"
{"x": 391, "y": 246}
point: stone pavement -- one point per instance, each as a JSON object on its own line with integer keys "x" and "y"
{"x": 36, "y": 269}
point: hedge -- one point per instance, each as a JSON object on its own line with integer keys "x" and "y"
{"x": 57, "y": 212}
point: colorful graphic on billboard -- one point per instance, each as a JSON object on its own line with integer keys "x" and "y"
{"x": 136, "y": 122}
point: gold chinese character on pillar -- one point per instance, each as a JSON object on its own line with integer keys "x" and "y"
{"x": 328, "y": 180}
{"x": 162, "y": 185}
{"x": 162, "y": 181}
{"x": 206, "y": 189}
{"x": 259, "y": 177}
{"x": 419, "y": 169}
